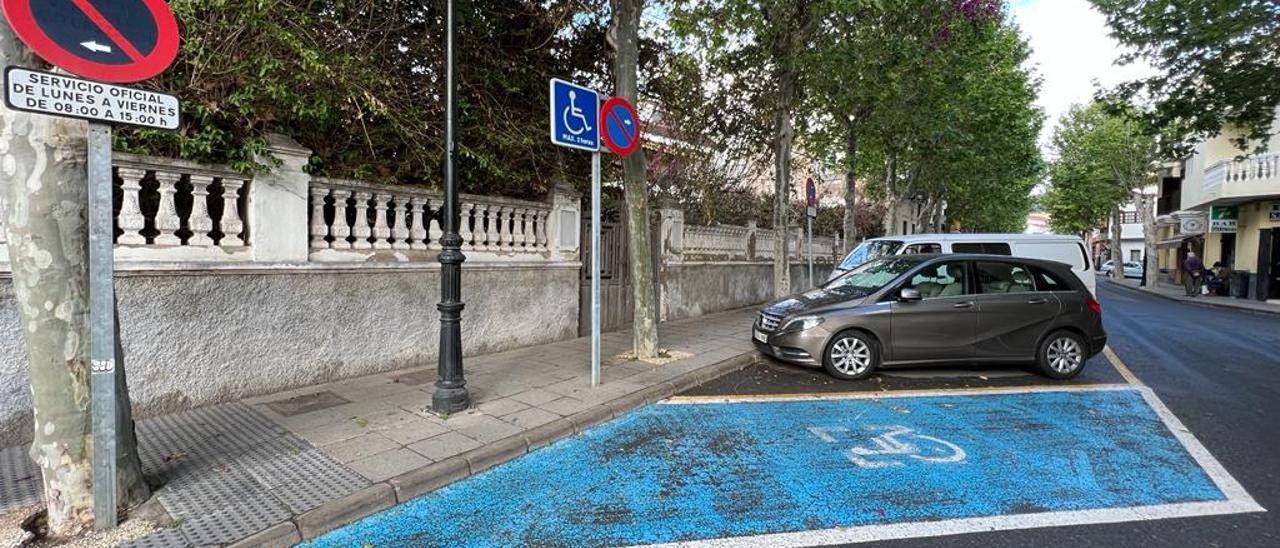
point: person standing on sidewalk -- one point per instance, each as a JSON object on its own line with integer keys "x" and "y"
{"x": 1192, "y": 270}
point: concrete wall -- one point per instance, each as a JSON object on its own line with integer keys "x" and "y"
{"x": 697, "y": 288}
{"x": 197, "y": 339}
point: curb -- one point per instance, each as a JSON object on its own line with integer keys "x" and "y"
{"x": 415, "y": 483}
{"x": 1198, "y": 302}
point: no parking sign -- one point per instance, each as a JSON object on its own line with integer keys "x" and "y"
{"x": 621, "y": 126}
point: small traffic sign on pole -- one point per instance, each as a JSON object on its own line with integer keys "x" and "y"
{"x": 58, "y": 95}
{"x": 621, "y": 126}
{"x": 575, "y": 123}
{"x": 575, "y": 116}
{"x": 107, "y": 40}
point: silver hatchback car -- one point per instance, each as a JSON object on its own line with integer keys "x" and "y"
{"x": 938, "y": 309}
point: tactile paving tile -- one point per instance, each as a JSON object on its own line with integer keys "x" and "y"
{"x": 19, "y": 479}
{"x": 164, "y": 538}
{"x": 225, "y": 429}
{"x": 233, "y": 523}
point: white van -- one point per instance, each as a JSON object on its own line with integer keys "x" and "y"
{"x": 1054, "y": 247}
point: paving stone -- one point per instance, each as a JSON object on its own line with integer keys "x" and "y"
{"x": 388, "y": 464}
{"x": 548, "y": 433}
{"x": 501, "y": 406}
{"x": 535, "y": 397}
{"x": 330, "y": 433}
{"x": 299, "y": 405}
{"x": 486, "y": 429}
{"x": 444, "y": 446}
{"x": 565, "y": 406}
{"x": 414, "y": 430}
{"x": 386, "y": 419}
{"x": 421, "y": 481}
{"x": 531, "y": 418}
{"x": 591, "y": 417}
{"x": 360, "y": 447}
{"x": 280, "y": 535}
{"x": 496, "y": 453}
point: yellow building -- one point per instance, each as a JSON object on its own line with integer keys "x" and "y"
{"x": 1221, "y": 182}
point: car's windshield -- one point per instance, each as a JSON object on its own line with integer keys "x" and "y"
{"x": 869, "y": 250}
{"x": 871, "y": 276}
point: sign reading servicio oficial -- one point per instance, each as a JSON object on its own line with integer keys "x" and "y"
{"x": 57, "y": 95}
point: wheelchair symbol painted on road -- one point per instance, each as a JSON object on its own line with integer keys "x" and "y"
{"x": 893, "y": 442}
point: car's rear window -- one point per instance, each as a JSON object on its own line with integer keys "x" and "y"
{"x": 986, "y": 248}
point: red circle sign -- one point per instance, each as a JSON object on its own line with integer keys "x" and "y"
{"x": 106, "y": 40}
{"x": 619, "y": 126}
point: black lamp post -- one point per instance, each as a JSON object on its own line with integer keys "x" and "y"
{"x": 451, "y": 386}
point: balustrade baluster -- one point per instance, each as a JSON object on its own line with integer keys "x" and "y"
{"x": 342, "y": 232}
{"x": 493, "y": 234}
{"x": 464, "y": 224}
{"x": 200, "y": 223}
{"x": 541, "y": 230}
{"x": 231, "y": 225}
{"x": 399, "y": 227}
{"x": 517, "y": 228}
{"x": 433, "y": 223}
{"x": 417, "y": 232}
{"x": 481, "y": 232}
{"x": 381, "y": 218}
{"x": 131, "y": 219}
{"x": 504, "y": 227}
{"x": 530, "y": 235}
{"x": 320, "y": 231}
{"x": 361, "y": 229}
{"x": 167, "y": 221}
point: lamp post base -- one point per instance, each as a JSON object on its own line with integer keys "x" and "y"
{"x": 447, "y": 401}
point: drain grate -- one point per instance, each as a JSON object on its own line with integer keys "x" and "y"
{"x": 305, "y": 404}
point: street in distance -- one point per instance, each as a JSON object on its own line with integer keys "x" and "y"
{"x": 57, "y": 95}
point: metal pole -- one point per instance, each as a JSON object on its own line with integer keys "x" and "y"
{"x": 595, "y": 268}
{"x": 451, "y": 385}
{"x": 102, "y": 327}
{"x": 809, "y": 222}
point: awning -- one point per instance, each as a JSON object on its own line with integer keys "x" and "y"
{"x": 1175, "y": 242}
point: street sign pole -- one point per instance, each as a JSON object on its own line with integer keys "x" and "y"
{"x": 102, "y": 327}
{"x": 809, "y": 222}
{"x": 595, "y": 268}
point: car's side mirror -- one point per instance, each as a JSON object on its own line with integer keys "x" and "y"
{"x": 909, "y": 295}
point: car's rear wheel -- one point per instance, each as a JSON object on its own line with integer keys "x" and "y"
{"x": 1062, "y": 355}
{"x": 852, "y": 355}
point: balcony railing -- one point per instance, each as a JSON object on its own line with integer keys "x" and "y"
{"x": 1221, "y": 176}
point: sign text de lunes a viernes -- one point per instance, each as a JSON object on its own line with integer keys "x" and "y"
{"x": 47, "y": 93}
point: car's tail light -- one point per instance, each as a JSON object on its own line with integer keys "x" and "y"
{"x": 1093, "y": 304}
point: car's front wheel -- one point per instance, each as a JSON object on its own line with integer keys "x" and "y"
{"x": 852, "y": 355}
{"x": 1062, "y": 355}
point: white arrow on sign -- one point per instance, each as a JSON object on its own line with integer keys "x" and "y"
{"x": 93, "y": 45}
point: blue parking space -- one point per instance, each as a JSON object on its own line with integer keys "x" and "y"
{"x": 844, "y": 468}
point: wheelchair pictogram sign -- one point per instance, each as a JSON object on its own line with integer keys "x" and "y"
{"x": 575, "y": 111}
{"x": 892, "y": 445}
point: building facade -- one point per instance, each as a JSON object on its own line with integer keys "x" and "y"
{"x": 1228, "y": 211}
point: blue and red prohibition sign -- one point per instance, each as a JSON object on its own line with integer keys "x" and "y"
{"x": 621, "y": 126}
{"x": 105, "y": 40}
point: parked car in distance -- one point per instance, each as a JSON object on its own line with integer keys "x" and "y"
{"x": 938, "y": 309}
{"x": 1131, "y": 269}
{"x": 1054, "y": 247}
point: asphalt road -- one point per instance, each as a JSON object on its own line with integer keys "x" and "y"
{"x": 1217, "y": 370}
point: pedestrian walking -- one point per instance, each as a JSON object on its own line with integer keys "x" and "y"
{"x": 1192, "y": 271}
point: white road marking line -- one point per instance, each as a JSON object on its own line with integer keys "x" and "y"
{"x": 1238, "y": 500}
{"x": 814, "y": 396}
{"x": 1123, "y": 369}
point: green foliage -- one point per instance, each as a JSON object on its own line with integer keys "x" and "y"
{"x": 1216, "y": 64}
{"x": 1104, "y": 154}
{"x": 361, "y": 83}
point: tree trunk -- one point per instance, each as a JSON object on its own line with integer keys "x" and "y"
{"x": 891, "y": 194}
{"x": 626, "y": 23}
{"x": 1146, "y": 208}
{"x": 1117, "y": 254}
{"x": 46, "y": 184}
{"x": 850, "y": 187}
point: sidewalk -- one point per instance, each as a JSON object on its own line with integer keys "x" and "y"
{"x": 272, "y": 470}
{"x": 1177, "y": 293}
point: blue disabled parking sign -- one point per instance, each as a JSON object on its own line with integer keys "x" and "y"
{"x": 575, "y": 116}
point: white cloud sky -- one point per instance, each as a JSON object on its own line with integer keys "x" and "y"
{"x": 1071, "y": 52}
